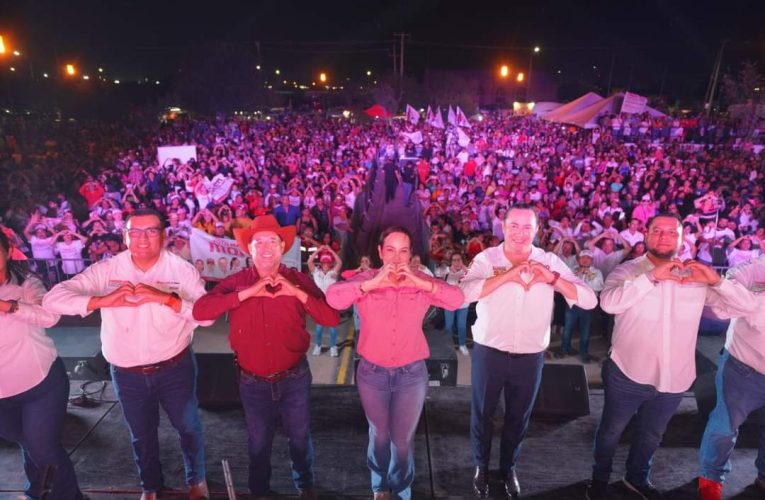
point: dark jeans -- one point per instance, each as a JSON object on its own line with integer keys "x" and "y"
{"x": 460, "y": 317}
{"x": 493, "y": 372}
{"x": 174, "y": 388}
{"x": 581, "y": 319}
{"x": 623, "y": 399}
{"x": 392, "y": 399}
{"x": 35, "y": 420}
{"x": 740, "y": 391}
{"x": 266, "y": 403}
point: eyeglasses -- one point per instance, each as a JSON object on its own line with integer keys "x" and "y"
{"x": 150, "y": 232}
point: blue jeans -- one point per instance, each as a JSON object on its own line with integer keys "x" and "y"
{"x": 579, "y": 318}
{"x": 392, "y": 399}
{"x": 518, "y": 375}
{"x": 356, "y": 319}
{"x": 461, "y": 316}
{"x": 174, "y": 388}
{"x": 264, "y": 405}
{"x": 35, "y": 420}
{"x": 623, "y": 398}
{"x": 332, "y": 335}
{"x": 740, "y": 391}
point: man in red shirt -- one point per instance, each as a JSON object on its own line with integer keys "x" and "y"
{"x": 267, "y": 305}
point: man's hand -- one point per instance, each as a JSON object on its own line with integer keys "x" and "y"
{"x": 5, "y": 306}
{"x": 146, "y": 293}
{"x": 540, "y": 274}
{"x": 699, "y": 273}
{"x": 257, "y": 289}
{"x": 124, "y": 296}
{"x": 666, "y": 271}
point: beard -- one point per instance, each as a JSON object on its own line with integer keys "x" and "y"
{"x": 662, "y": 255}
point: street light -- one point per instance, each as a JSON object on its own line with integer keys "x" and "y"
{"x": 16, "y": 53}
{"x": 2, "y": 45}
{"x": 369, "y": 72}
{"x": 519, "y": 78}
{"x": 277, "y": 72}
{"x": 504, "y": 71}
{"x": 70, "y": 69}
{"x": 323, "y": 77}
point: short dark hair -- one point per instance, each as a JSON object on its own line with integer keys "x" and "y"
{"x": 523, "y": 206}
{"x": 395, "y": 229}
{"x": 667, "y": 215}
{"x": 145, "y": 212}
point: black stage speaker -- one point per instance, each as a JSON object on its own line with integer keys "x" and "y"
{"x": 217, "y": 385}
{"x": 563, "y": 392}
{"x": 80, "y": 349}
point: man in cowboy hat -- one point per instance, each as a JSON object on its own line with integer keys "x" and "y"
{"x": 267, "y": 305}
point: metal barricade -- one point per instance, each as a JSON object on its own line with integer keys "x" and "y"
{"x": 51, "y": 271}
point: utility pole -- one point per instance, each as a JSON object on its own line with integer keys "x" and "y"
{"x": 713, "y": 79}
{"x": 401, "y": 38}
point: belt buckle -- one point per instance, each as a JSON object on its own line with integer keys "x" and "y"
{"x": 150, "y": 369}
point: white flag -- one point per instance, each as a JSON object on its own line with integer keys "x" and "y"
{"x": 415, "y": 137}
{"x": 438, "y": 119}
{"x": 412, "y": 115}
{"x": 452, "y": 118}
{"x": 462, "y": 120}
{"x": 462, "y": 138}
{"x": 429, "y": 115}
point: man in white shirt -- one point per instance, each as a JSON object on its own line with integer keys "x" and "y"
{"x": 740, "y": 383}
{"x": 632, "y": 234}
{"x": 146, "y": 295}
{"x": 657, "y": 301}
{"x": 508, "y": 281}
{"x": 579, "y": 318}
{"x": 324, "y": 275}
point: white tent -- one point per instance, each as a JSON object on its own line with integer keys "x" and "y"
{"x": 587, "y": 117}
{"x": 545, "y": 107}
{"x": 572, "y": 107}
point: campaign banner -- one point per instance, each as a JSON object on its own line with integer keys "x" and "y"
{"x": 216, "y": 258}
{"x": 633, "y": 103}
{"x": 183, "y": 153}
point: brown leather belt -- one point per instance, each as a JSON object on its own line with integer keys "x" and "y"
{"x": 155, "y": 367}
{"x": 274, "y": 377}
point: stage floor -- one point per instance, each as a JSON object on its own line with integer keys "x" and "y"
{"x": 554, "y": 464}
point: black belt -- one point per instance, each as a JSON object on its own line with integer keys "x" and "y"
{"x": 274, "y": 377}
{"x": 155, "y": 367}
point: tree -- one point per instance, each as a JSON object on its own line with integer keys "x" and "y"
{"x": 744, "y": 93}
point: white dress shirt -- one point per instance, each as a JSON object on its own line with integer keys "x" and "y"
{"x": 632, "y": 238}
{"x": 510, "y": 318}
{"x": 606, "y": 262}
{"x": 140, "y": 335}
{"x": 746, "y": 334}
{"x": 655, "y": 329}
{"x": 26, "y": 353}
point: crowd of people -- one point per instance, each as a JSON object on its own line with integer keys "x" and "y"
{"x": 71, "y": 187}
{"x": 524, "y": 213}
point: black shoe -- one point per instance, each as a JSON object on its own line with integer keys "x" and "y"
{"x": 596, "y": 490}
{"x": 645, "y": 491}
{"x": 560, "y": 354}
{"x": 512, "y": 486}
{"x": 481, "y": 482}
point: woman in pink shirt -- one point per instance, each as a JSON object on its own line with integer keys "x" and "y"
{"x": 34, "y": 387}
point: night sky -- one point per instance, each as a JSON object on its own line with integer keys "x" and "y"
{"x": 675, "y": 41}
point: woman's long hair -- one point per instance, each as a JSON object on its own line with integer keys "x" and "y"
{"x": 18, "y": 270}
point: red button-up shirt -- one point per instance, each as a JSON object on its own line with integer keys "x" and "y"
{"x": 268, "y": 335}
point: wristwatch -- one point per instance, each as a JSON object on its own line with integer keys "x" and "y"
{"x": 556, "y": 275}
{"x": 14, "y": 306}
